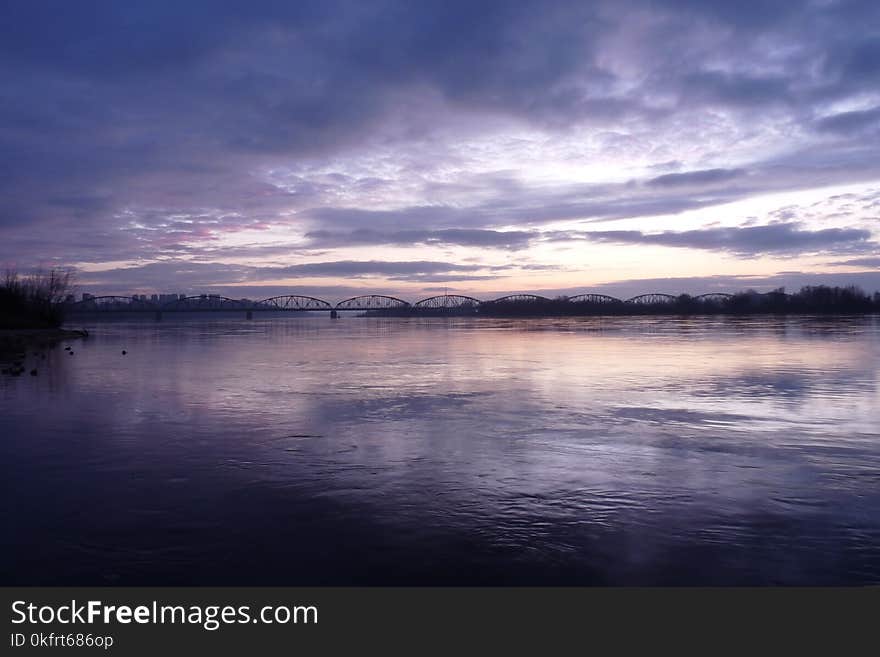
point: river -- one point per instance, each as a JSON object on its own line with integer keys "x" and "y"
{"x": 296, "y": 450}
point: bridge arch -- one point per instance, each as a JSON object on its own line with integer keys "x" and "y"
{"x": 651, "y": 299}
{"x": 205, "y": 302}
{"x": 295, "y": 302}
{"x": 520, "y": 298}
{"x": 594, "y": 298}
{"x": 444, "y": 301}
{"x": 372, "y": 302}
{"x": 713, "y": 297}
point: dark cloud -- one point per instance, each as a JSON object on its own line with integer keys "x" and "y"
{"x": 691, "y": 178}
{"x": 357, "y": 268}
{"x": 857, "y": 58}
{"x": 526, "y": 207}
{"x": 413, "y": 271}
{"x": 871, "y": 261}
{"x": 198, "y": 277}
{"x": 164, "y": 276}
{"x": 787, "y": 238}
{"x": 511, "y": 239}
{"x": 850, "y": 122}
{"x": 727, "y": 89}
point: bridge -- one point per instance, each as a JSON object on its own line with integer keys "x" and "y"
{"x": 379, "y": 302}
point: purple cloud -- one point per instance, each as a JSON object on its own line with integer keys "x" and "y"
{"x": 163, "y": 131}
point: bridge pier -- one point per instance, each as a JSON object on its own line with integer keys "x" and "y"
{"x": 249, "y": 314}
{"x": 158, "y": 315}
{"x": 334, "y": 314}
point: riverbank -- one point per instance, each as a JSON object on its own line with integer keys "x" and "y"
{"x": 14, "y": 343}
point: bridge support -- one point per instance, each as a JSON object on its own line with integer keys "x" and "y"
{"x": 249, "y": 314}
{"x": 158, "y": 315}
{"x": 334, "y": 314}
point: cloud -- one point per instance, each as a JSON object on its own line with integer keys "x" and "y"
{"x": 526, "y": 206}
{"x": 237, "y": 282}
{"x": 787, "y": 238}
{"x": 510, "y": 239}
{"x": 871, "y": 261}
{"x": 200, "y": 277}
{"x": 855, "y": 57}
{"x": 727, "y": 89}
{"x": 410, "y": 270}
{"x": 850, "y": 122}
{"x": 692, "y": 178}
{"x": 163, "y": 129}
{"x": 356, "y": 268}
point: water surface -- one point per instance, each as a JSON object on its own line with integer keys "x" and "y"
{"x": 301, "y": 450}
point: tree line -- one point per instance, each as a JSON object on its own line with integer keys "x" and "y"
{"x": 35, "y": 301}
{"x": 813, "y": 299}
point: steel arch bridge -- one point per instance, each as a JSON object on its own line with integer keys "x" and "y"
{"x": 367, "y": 302}
{"x": 112, "y": 303}
{"x": 652, "y": 299}
{"x": 520, "y": 298}
{"x": 293, "y": 302}
{"x": 594, "y": 298}
{"x": 372, "y": 302}
{"x": 447, "y": 301}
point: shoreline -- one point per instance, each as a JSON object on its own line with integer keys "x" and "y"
{"x": 48, "y": 333}
{"x": 15, "y": 344}
{"x": 14, "y": 341}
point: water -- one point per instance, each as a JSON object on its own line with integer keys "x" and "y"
{"x": 300, "y": 450}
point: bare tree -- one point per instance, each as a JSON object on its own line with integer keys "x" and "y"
{"x": 37, "y": 298}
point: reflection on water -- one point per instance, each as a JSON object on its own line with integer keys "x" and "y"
{"x": 360, "y": 451}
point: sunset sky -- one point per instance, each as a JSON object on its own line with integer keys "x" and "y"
{"x": 333, "y": 148}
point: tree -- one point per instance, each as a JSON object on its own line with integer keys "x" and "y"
{"x": 36, "y": 300}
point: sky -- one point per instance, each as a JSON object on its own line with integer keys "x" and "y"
{"x": 334, "y": 148}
